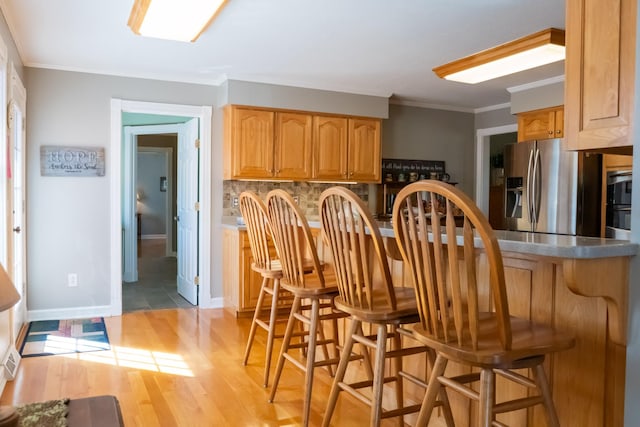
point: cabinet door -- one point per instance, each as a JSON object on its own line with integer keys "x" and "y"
{"x": 252, "y": 143}
{"x": 559, "y": 123}
{"x": 293, "y": 145}
{"x": 365, "y": 163}
{"x": 535, "y": 125}
{"x": 330, "y": 148}
{"x": 599, "y": 67}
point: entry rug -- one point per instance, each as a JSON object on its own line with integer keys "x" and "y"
{"x": 48, "y": 337}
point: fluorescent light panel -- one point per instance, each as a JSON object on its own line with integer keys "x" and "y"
{"x": 182, "y": 20}
{"x": 544, "y": 47}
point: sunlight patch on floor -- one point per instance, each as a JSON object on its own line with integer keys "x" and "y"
{"x": 127, "y": 357}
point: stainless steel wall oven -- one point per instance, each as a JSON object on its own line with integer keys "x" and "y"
{"x": 618, "y": 221}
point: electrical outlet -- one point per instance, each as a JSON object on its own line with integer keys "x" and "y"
{"x": 72, "y": 280}
{"x": 234, "y": 202}
{"x": 296, "y": 199}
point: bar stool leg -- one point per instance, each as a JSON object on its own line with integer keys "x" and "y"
{"x": 254, "y": 323}
{"x": 356, "y": 326}
{"x": 487, "y": 397}
{"x": 396, "y": 364}
{"x": 433, "y": 389}
{"x": 272, "y": 329}
{"x": 543, "y": 385}
{"x": 285, "y": 346}
{"x": 378, "y": 376}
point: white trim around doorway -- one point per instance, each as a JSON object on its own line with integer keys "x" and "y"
{"x": 204, "y": 113}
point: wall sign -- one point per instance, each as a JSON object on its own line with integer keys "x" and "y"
{"x": 58, "y": 160}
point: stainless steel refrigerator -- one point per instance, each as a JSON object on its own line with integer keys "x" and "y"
{"x": 551, "y": 190}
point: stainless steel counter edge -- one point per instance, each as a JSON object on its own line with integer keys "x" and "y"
{"x": 551, "y": 245}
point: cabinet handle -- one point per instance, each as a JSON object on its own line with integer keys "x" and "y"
{"x": 550, "y": 132}
{"x": 558, "y": 131}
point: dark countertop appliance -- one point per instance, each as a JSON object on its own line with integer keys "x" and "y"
{"x": 550, "y": 190}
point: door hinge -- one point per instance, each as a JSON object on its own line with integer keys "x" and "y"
{"x": 196, "y": 280}
{"x": 197, "y": 143}
{"x": 197, "y": 206}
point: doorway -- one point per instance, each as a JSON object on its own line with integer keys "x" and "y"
{"x": 187, "y": 193}
{"x": 123, "y": 200}
{"x": 483, "y": 162}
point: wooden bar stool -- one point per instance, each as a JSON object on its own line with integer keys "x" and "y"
{"x": 451, "y": 298}
{"x": 294, "y": 243}
{"x": 255, "y": 217}
{"x": 368, "y": 295}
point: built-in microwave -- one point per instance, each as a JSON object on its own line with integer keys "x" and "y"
{"x": 618, "y": 210}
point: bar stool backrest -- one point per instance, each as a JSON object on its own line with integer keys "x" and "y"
{"x": 293, "y": 241}
{"x": 424, "y": 221}
{"x": 254, "y": 212}
{"x": 357, "y": 249}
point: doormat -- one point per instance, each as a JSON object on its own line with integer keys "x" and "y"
{"x": 49, "y": 337}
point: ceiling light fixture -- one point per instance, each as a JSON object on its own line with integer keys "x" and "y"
{"x": 182, "y": 20}
{"x": 541, "y": 48}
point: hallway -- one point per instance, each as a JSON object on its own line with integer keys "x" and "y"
{"x": 156, "y": 286}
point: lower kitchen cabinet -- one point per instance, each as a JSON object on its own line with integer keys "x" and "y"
{"x": 241, "y": 285}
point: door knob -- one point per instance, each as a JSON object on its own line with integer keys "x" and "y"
{"x": 176, "y": 218}
{"x": 17, "y": 229}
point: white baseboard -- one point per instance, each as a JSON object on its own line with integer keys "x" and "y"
{"x": 213, "y": 303}
{"x": 70, "y": 313}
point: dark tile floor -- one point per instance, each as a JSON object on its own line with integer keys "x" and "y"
{"x": 156, "y": 286}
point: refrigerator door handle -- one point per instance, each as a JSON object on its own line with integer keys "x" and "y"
{"x": 537, "y": 176}
{"x": 529, "y": 189}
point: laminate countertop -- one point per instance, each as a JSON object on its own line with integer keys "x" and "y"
{"x": 552, "y": 245}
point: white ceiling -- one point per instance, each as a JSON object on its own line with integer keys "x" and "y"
{"x": 374, "y": 47}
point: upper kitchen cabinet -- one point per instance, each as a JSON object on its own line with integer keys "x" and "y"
{"x": 541, "y": 124}
{"x": 330, "y": 148}
{"x": 249, "y": 143}
{"x": 599, "y": 67}
{"x": 293, "y": 146}
{"x": 365, "y": 161}
{"x": 300, "y": 146}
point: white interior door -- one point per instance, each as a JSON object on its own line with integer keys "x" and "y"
{"x": 187, "y": 219}
{"x": 17, "y": 126}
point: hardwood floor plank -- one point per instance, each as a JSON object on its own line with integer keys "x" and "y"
{"x": 181, "y": 367}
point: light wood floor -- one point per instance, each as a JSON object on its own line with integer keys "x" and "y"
{"x": 181, "y": 367}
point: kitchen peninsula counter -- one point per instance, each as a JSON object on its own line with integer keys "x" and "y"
{"x": 577, "y": 284}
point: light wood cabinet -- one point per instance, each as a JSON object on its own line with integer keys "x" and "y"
{"x": 249, "y": 142}
{"x": 269, "y": 144}
{"x": 600, "y": 68}
{"x": 365, "y": 162}
{"x": 293, "y": 145}
{"x": 330, "y": 148}
{"x": 241, "y": 283}
{"x": 541, "y": 124}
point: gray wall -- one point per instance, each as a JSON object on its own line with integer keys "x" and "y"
{"x": 546, "y": 96}
{"x": 68, "y": 218}
{"x": 152, "y": 202}
{"x": 303, "y": 99}
{"x": 428, "y": 134}
{"x": 494, "y": 118}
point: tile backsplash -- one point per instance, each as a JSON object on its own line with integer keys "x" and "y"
{"x": 308, "y": 193}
